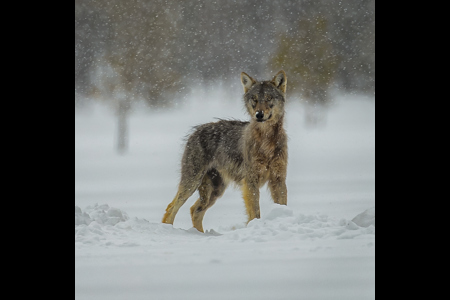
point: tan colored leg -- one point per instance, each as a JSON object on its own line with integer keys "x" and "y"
{"x": 185, "y": 190}
{"x": 250, "y": 193}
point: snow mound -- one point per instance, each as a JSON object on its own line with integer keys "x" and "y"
{"x": 102, "y": 214}
{"x": 281, "y": 223}
{"x": 366, "y": 218}
{"x": 94, "y": 223}
{"x": 107, "y": 226}
{"x": 279, "y": 211}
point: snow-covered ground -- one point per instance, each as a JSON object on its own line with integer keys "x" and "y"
{"x": 320, "y": 246}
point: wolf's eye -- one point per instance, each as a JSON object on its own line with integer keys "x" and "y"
{"x": 254, "y": 101}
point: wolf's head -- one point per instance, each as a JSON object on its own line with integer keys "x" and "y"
{"x": 264, "y": 100}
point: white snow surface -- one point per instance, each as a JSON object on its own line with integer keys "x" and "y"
{"x": 320, "y": 246}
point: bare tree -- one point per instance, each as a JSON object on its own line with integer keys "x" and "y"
{"x": 311, "y": 62}
{"x": 139, "y": 62}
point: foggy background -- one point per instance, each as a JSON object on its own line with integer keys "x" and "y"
{"x": 157, "y": 54}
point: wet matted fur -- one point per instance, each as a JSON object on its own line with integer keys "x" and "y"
{"x": 248, "y": 153}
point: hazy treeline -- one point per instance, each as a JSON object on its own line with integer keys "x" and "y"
{"x": 130, "y": 50}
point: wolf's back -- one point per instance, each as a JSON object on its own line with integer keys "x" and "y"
{"x": 216, "y": 144}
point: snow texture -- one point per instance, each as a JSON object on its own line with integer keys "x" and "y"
{"x": 320, "y": 246}
{"x": 102, "y": 225}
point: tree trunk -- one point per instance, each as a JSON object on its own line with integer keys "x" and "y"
{"x": 122, "y": 126}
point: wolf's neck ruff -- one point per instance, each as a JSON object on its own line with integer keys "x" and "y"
{"x": 269, "y": 131}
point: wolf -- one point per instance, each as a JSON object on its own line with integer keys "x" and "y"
{"x": 249, "y": 154}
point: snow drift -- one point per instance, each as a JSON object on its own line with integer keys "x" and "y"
{"x": 103, "y": 225}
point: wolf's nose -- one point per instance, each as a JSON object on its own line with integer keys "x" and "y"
{"x": 259, "y": 115}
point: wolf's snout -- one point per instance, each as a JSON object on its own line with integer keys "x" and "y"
{"x": 259, "y": 115}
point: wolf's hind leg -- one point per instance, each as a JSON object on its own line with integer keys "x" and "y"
{"x": 187, "y": 187}
{"x": 211, "y": 189}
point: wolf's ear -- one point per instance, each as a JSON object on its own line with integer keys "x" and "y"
{"x": 247, "y": 81}
{"x": 280, "y": 81}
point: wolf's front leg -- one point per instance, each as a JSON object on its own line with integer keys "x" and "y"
{"x": 277, "y": 178}
{"x": 277, "y": 186}
{"x": 250, "y": 193}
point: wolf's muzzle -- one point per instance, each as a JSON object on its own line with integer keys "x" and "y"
{"x": 259, "y": 116}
